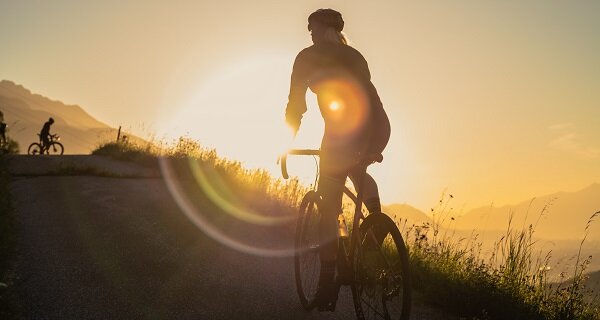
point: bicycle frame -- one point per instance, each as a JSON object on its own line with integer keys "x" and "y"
{"x": 357, "y": 199}
{"x": 53, "y": 138}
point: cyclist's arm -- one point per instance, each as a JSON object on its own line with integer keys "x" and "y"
{"x": 296, "y": 106}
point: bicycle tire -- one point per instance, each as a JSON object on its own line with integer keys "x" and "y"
{"x": 55, "y": 148}
{"x": 382, "y": 273}
{"x": 34, "y": 149}
{"x": 306, "y": 258}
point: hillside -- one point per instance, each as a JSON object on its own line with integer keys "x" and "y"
{"x": 559, "y": 229}
{"x": 25, "y": 113}
{"x": 592, "y": 283}
{"x": 406, "y": 212}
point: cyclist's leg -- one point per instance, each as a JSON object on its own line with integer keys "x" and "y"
{"x": 331, "y": 191}
{"x": 45, "y": 144}
{"x": 365, "y": 183}
{"x": 378, "y": 140}
{"x": 370, "y": 195}
{"x": 369, "y": 190}
{"x": 330, "y": 188}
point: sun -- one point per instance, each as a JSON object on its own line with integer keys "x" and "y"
{"x": 240, "y": 111}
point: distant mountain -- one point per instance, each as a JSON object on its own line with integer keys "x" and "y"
{"x": 25, "y": 113}
{"x": 558, "y": 216}
{"x": 406, "y": 212}
{"x": 559, "y": 230}
{"x": 562, "y": 215}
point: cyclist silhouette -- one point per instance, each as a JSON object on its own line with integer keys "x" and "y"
{"x": 356, "y": 126}
{"x": 2, "y": 129}
{"x": 45, "y": 135}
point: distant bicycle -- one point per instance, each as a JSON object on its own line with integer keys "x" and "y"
{"x": 53, "y": 148}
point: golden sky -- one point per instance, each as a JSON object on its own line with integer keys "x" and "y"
{"x": 495, "y": 101}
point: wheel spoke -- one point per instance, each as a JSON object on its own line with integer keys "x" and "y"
{"x": 380, "y": 266}
{"x": 372, "y": 308}
{"x": 307, "y": 263}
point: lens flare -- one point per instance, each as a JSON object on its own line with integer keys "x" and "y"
{"x": 334, "y": 106}
{"x": 344, "y": 105}
{"x": 213, "y": 185}
{"x": 221, "y": 198}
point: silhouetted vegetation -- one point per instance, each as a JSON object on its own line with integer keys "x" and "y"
{"x": 8, "y": 305}
{"x": 512, "y": 283}
{"x": 11, "y": 147}
{"x": 252, "y": 185}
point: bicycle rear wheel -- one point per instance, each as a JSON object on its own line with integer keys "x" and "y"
{"x": 55, "y": 148}
{"x": 307, "y": 263}
{"x": 34, "y": 149}
{"x": 383, "y": 289}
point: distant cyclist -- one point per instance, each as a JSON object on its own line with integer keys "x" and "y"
{"x": 45, "y": 135}
{"x": 356, "y": 125}
{"x": 2, "y": 129}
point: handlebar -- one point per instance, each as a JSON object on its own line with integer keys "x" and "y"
{"x": 302, "y": 152}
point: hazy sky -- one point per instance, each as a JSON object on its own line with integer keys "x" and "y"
{"x": 495, "y": 101}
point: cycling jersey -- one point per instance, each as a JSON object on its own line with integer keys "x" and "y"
{"x": 355, "y": 121}
{"x": 45, "y": 129}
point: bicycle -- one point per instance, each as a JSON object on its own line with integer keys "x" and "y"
{"x": 373, "y": 262}
{"x": 53, "y": 148}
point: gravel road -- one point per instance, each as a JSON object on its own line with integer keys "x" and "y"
{"x": 95, "y": 247}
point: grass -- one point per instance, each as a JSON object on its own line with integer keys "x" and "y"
{"x": 511, "y": 283}
{"x": 8, "y": 304}
{"x": 250, "y": 185}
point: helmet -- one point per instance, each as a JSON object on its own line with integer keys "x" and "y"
{"x": 51, "y": 120}
{"x": 327, "y": 17}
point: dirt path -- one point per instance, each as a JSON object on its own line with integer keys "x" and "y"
{"x": 120, "y": 248}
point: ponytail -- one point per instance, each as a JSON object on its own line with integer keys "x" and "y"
{"x": 331, "y": 35}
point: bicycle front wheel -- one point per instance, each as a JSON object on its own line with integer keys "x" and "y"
{"x": 34, "y": 149}
{"x": 383, "y": 289}
{"x": 307, "y": 263}
{"x": 55, "y": 148}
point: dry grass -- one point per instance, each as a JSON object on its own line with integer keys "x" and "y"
{"x": 256, "y": 183}
{"x": 9, "y": 307}
{"x": 511, "y": 283}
